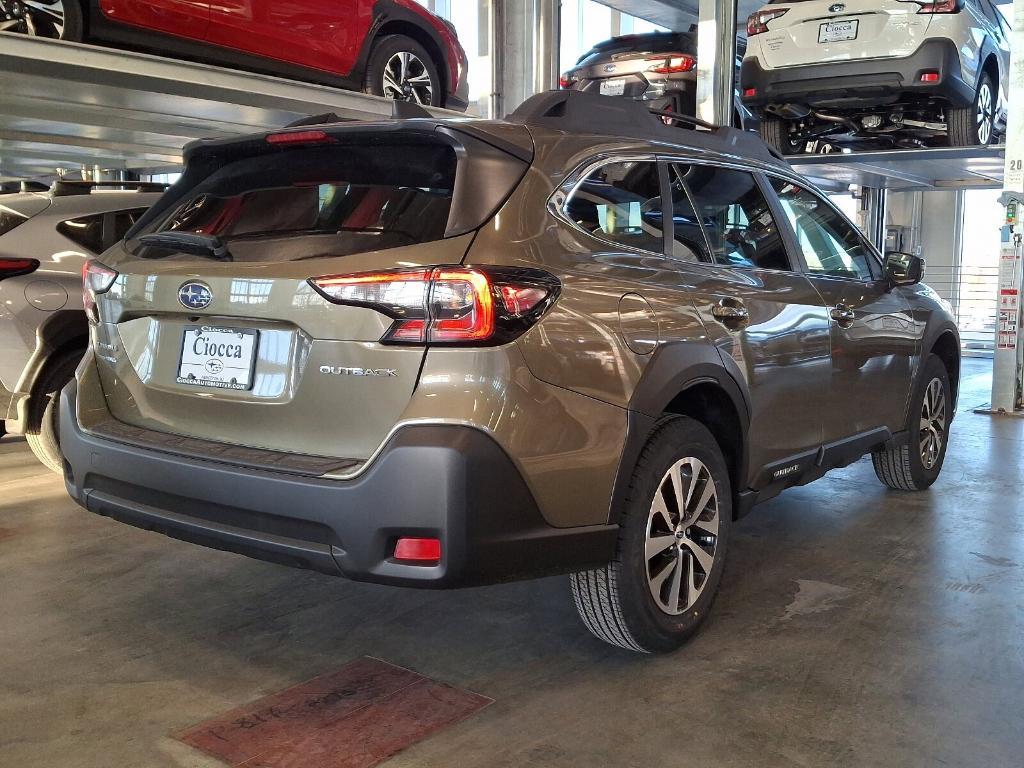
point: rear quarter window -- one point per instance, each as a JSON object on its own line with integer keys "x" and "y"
{"x": 10, "y": 219}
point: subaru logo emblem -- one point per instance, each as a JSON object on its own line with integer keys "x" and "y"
{"x": 609, "y": 67}
{"x": 837, "y": 8}
{"x": 193, "y": 295}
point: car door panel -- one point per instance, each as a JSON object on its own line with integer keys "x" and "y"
{"x": 874, "y": 338}
{"x": 184, "y": 18}
{"x": 318, "y": 34}
{"x": 767, "y": 323}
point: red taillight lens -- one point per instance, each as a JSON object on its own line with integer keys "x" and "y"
{"x": 447, "y": 305}
{"x": 944, "y": 6}
{"x": 757, "y": 23}
{"x": 672, "y": 64}
{"x": 16, "y": 267}
{"x": 299, "y": 137}
{"x": 418, "y": 550}
{"x": 96, "y": 279}
{"x": 567, "y": 80}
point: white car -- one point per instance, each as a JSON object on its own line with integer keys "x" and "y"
{"x": 877, "y": 73}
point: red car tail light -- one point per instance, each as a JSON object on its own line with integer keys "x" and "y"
{"x": 757, "y": 23}
{"x": 475, "y": 306}
{"x": 97, "y": 278}
{"x": 418, "y": 550}
{"x": 672, "y": 64}
{"x": 299, "y": 137}
{"x": 16, "y": 267}
{"x": 567, "y": 80}
{"x": 943, "y": 6}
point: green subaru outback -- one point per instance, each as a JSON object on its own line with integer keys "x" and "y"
{"x": 436, "y": 353}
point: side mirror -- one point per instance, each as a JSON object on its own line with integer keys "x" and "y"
{"x": 903, "y": 268}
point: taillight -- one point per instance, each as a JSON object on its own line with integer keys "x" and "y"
{"x": 757, "y": 23}
{"x": 16, "y": 267}
{"x": 672, "y": 64}
{"x": 945, "y": 6}
{"x": 567, "y": 80}
{"x": 475, "y": 306}
{"x": 300, "y": 137}
{"x": 96, "y": 279}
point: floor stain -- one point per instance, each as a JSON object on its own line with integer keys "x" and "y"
{"x": 1000, "y": 562}
{"x": 815, "y": 597}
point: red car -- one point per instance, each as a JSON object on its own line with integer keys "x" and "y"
{"x": 393, "y": 48}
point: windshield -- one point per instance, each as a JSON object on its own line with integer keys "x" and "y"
{"x": 315, "y": 202}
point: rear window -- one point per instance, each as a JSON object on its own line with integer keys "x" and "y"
{"x": 10, "y": 219}
{"x": 657, "y": 42}
{"x": 322, "y": 201}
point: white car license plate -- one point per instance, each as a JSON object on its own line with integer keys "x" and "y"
{"x": 615, "y": 87}
{"x": 836, "y": 31}
{"x": 223, "y": 358}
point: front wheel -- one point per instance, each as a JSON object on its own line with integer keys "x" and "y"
{"x": 672, "y": 545}
{"x": 974, "y": 126}
{"x": 917, "y": 464}
{"x": 400, "y": 68}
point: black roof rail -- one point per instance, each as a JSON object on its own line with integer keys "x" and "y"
{"x": 588, "y": 113}
{"x": 324, "y": 119}
{"x": 407, "y": 110}
{"x": 65, "y": 188}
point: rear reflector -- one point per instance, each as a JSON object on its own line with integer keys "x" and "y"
{"x": 930, "y": 77}
{"x": 418, "y": 550}
{"x": 447, "y": 305}
{"x": 15, "y": 267}
{"x": 750, "y": 93}
{"x": 299, "y": 137}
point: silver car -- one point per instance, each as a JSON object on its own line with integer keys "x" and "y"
{"x": 45, "y": 238}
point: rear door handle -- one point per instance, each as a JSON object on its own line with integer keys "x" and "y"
{"x": 843, "y": 315}
{"x": 730, "y": 312}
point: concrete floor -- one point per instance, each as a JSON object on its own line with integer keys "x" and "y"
{"x": 855, "y": 627}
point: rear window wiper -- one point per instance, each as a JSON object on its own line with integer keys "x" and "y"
{"x": 194, "y": 243}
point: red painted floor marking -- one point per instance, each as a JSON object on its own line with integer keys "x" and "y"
{"x": 356, "y": 717}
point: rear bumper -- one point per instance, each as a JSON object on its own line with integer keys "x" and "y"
{"x": 445, "y": 481}
{"x": 860, "y": 84}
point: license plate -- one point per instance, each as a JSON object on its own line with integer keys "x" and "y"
{"x": 223, "y": 358}
{"x": 836, "y": 31}
{"x": 613, "y": 87}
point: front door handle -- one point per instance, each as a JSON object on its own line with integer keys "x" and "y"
{"x": 730, "y": 312}
{"x": 843, "y": 315}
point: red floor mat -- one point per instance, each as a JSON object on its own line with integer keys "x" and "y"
{"x": 356, "y": 717}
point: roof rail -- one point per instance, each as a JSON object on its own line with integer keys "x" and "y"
{"x": 64, "y": 188}
{"x": 588, "y": 113}
{"x": 20, "y": 187}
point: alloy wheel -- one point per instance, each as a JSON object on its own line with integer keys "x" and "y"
{"x": 933, "y": 424}
{"x": 682, "y": 536}
{"x": 37, "y": 18}
{"x": 985, "y": 116}
{"x": 406, "y": 79}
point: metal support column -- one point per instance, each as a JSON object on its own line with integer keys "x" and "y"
{"x": 1007, "y": 374}
{"x": 546, "y": 44}
{"x": 872, "y": 215}
{"x": 716, "y": 60}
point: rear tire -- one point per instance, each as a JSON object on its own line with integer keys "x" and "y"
{"x": 974, "y": 126}
{"x": 775, "y": 133}
{"x": 402, "y": 69}
{"x": 916, "y": 465}
{"x": 43, "y": 433}
{"x": 659, "y": 588}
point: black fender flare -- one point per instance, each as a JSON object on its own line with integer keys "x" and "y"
{"x": 936, "y": 327}
{"x": 673, "y": 369}
{"x": 385, "y": 11}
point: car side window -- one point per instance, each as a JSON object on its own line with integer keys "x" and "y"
{"x": 125, "y": 220}
{"x": 736, "y": 217}
{"x": 85, "y": 231}
{"x": 621, "y": 202}
{"x": 830, "y": 244}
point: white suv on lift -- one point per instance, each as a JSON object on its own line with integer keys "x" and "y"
{"x": 875, "y": 74}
